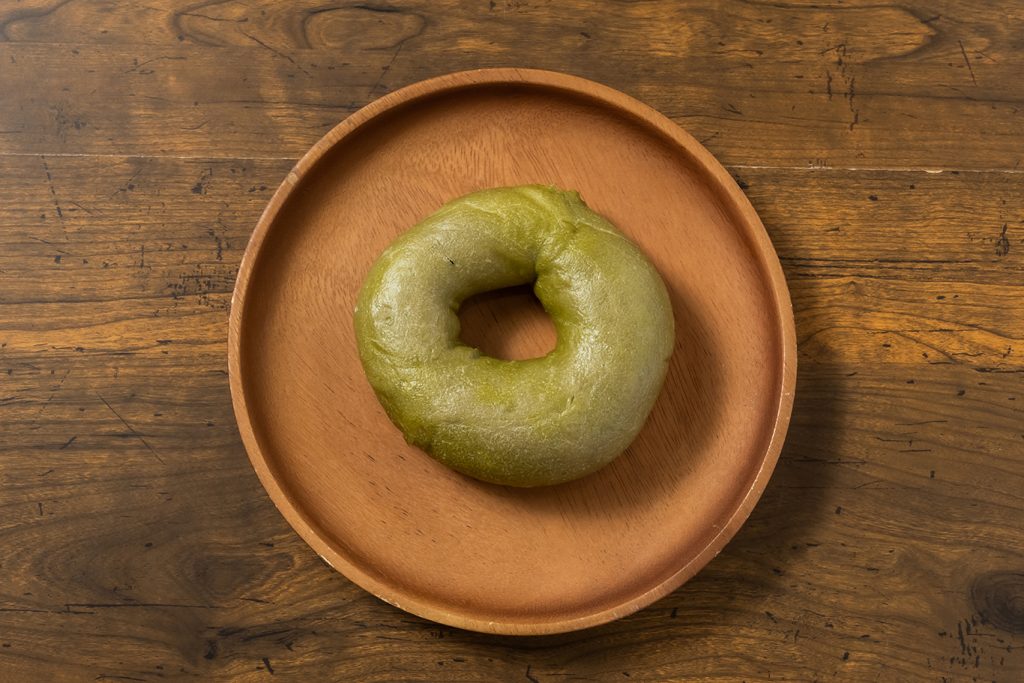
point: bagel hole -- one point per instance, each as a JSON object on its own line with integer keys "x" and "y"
{"x": 510, "y": 324}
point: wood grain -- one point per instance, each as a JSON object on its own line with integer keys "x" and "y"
{"x": 858, "y": 564}
{"x": 800, "y": 85}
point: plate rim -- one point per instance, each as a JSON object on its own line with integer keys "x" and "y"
{"x": 755, "y": 231}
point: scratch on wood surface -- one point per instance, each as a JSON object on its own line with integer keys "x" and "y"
{"x": 967, "y": 62}
{"x": 387, "y": 67}
{"x": 132, "y": 430}
{"x": 138, "y": 65}
{"x": 1003, "y": 243}
{"x": 53, "y": 194}
{"x": 276, "y": 52}
{"x": 53, "y": 393}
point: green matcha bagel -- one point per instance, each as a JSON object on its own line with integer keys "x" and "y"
{"x": 521, "y": 423}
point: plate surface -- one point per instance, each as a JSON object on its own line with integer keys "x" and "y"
{"x": 445, "y": 546}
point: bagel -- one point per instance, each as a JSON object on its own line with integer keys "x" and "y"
{"x": 522, "y": 423}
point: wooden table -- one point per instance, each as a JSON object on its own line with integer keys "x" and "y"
{"x": 881, "y": 144}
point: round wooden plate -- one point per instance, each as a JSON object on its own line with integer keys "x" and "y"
{"x": 442, "y": 545}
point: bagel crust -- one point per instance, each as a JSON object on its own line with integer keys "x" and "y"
{"x": 521, "y": 423}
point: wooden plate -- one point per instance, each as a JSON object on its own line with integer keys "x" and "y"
{"x": 445, "y": 546}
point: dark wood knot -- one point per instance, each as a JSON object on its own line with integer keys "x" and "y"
{"x": 999, "y": 599}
